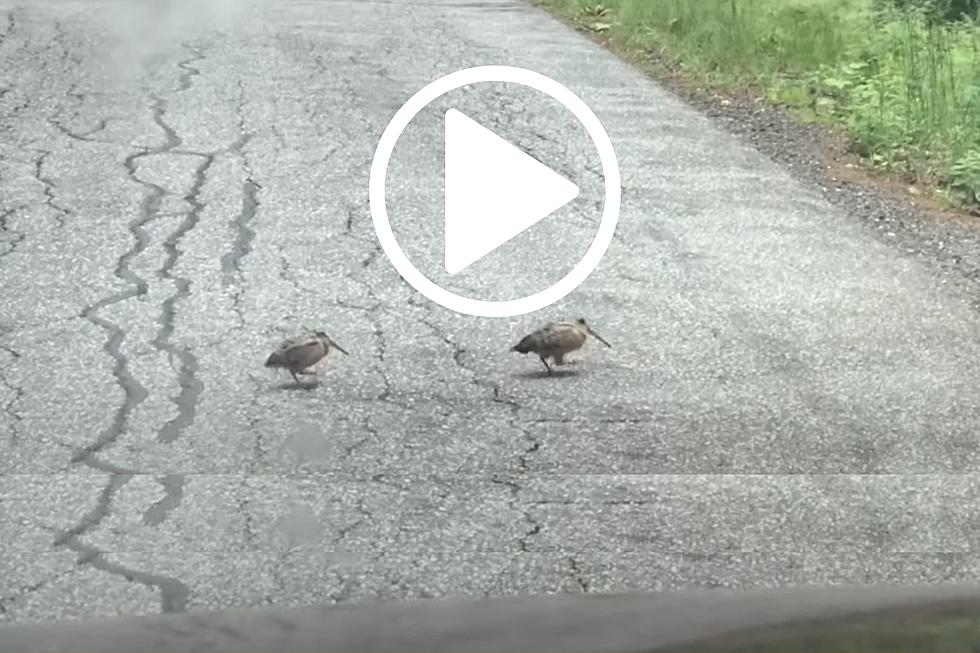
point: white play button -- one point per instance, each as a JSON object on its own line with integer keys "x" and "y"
{"x": 494, "y": 191}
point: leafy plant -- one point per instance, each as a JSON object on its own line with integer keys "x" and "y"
{"x": 902, "y": 75}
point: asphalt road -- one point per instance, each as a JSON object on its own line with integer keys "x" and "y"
{"x": 788, "y": 399}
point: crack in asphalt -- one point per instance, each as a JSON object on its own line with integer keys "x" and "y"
{"x": 231, "y": 262}
{"x": 253, "y": 421}
{"x": 173, "y": 486}
{"x": 173, "y": 593}
{"x": 248, "y": 522}
{"x": 134, "y": 392}
{"x": 372, "y": 433}
{"x": 49, "y": 197}
{"x": 18, "y": 392}
{"x": 85, "y": 136}
{"x": 17, "y": 237}
{"x": 5, "y": 601}
{"x": 13, "y": 113}
{"x": 534, "y": 527}
{"x": 372, "y": 312}
{"x": 382, "y": 479}
{"x": 191, "y": 387}
{"x": 59, "y": 38}
{"x": 515, "y": 422}
{"x": 94, "y": 516}
{"x": 150, "y": 206}
{"x": 185, "y": 81}
{"x": 577, "y": 575}
{"x": 366, "y": 516}
{"x": 8, "y": 27}
{"x": 496, "y": 397}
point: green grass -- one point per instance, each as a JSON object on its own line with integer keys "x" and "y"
{"x": 907, "y": 87}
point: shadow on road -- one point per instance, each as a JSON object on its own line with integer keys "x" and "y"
{"x": 543, "y": 374}
{"x": 291, "y": 385}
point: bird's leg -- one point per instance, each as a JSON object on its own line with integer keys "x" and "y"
{"x": 546, "y": 366}
{"x": 295, "y": 378}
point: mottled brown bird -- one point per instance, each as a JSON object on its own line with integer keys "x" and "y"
{"x": 300, "y": 353}
{"x": 556, "y": 339}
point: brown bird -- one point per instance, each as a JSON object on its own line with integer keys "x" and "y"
{"x": 298, "y": 354}
{"x": 556, "y": 339}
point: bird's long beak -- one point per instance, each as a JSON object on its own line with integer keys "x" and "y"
{"x": 599, "y": 338}
{"x": 338, "y": 348}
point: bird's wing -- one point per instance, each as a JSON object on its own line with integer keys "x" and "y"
{"x": 294, "y": 350}
{"x": 552, "y": 334}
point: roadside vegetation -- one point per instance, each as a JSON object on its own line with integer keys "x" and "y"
{"x": 902, "y": 76}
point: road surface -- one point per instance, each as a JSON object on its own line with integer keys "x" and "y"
{"x": 788, "y": 400}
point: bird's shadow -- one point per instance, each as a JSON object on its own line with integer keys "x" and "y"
{"x": 303, "y": 385}
{"x": 543, "y": 374}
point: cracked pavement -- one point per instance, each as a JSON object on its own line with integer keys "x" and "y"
{"x": 788, "y": 400}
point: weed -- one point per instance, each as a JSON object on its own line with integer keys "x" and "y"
{"x": 905, "y": 83}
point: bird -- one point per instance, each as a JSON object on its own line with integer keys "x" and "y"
{"x": 299, "y": 353}
{"x": 556, "y": 339}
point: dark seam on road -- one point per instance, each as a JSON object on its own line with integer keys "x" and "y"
{"x": 10, "y": 24}
{"x": 366, "y": 516}
{"x": 381, "y": 478}
{"x": 13, "y": 113}
{"x": 49, "y": 196}
{"x": 173, "y": 593}
{"x": 381, "y": 341}
{"x": 515, "y": 422}
{"x": 9, "y": 407}
{"x": 534, "y": 527}
{"x": 173, "y": 485}
{"x": 85, "y": 136}
{"x": 134, "y": 392}
{"x": 231, "y": 262}
{"x": 5, "y": 601}
{"x": 8, "y": 28}
{"x": 191, "y": 386}
{"x": 96, "y": 515}
{"x": 18, "y": 236}
{"x": 59, "y": 39}
{"x": 577, "y": 576}
{"x": 371, "y": 431}
{"x": 150, "y": 206}
{"x": 184, "y": 82}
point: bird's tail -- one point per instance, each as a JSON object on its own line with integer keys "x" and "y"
{"x": 274, "y": 360}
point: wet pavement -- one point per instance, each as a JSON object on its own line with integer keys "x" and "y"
{"x": 788, "y": 400}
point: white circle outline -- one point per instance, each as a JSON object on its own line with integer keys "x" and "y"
{"x": 379, "y": 173}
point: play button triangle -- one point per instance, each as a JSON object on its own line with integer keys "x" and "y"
{"x": 494, "y": 191}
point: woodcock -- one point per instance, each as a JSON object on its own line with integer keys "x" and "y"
{"x": 300, "y": 353}
{"x": 556, "y": 339}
